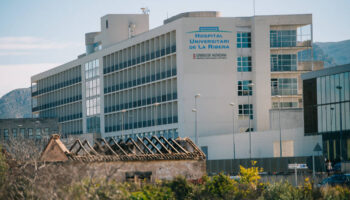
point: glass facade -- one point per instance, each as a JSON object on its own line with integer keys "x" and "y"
{"x": 291, "y": 36}
{"x": 283, "y": 38}
{"x": 283, "y": 62}
{"x": 284, "y": 86}
{"x": 92, "y": 94}
{"x": 244, "y": 63}
{"x": 244, "y": 40}
{"x": 244, "y": 89}
{"x": 327, "y": 112}
{"x": 332, "y": 99}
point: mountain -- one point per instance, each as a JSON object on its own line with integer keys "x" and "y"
{"x": 319, "y": 54}
{"x": 16, "y": 104}
{"x": 338, "y": 51}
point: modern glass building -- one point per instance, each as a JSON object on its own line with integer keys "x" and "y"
{"x": 327, "y": 109}
{"x": 135, "y": 81}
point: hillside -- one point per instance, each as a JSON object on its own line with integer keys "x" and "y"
{"x": 16, "y": 104}
{"x": 338, "y": 51}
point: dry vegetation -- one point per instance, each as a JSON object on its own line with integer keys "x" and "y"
{"x": 22, "y": 176}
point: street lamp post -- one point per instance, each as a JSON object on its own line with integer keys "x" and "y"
{"x": 250, "y": 85}
{"x": 123, "y": 115}
{"x": 233, "y": 130}
{"x": 195, "y": 115}
{"x": 341, "y": 124}
{"x": 279, "y": 122}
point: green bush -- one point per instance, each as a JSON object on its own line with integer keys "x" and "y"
{"x": 152, "y": 192}
{"x": 220, "y": 187}
{"x": 181, "y": 188}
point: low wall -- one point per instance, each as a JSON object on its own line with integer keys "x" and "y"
{"x": 269, "y": 165}
{"x": 159, "y": 170}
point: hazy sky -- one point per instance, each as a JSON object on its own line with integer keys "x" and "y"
{"x": 36, "y": 35}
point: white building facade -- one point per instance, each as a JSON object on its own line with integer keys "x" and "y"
{"x": 135, "y": 81}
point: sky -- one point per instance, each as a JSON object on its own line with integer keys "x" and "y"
{"x": 37, "y": 35}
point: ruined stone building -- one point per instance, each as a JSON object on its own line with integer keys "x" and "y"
{"x": 155, "y": 158}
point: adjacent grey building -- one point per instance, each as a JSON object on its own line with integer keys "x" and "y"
{"x": 28, "y": 128}
{"x": 327, "y": 109}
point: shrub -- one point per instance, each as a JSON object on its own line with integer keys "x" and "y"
{"x": 152, "y": 192}
{"x": 220, "y": 187}
{"x": 181, "y": 188}
{"x": 250, "y": 175}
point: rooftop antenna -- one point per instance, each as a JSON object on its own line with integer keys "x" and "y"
{"x": 254, "y": 7}
{"x": 145, "y": 11}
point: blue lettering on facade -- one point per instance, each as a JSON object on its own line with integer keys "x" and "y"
{"x": 208, "y": 38}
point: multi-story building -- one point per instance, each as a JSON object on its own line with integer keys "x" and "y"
{"x": 136, "y": 81}
{"x": 327, "y": 109}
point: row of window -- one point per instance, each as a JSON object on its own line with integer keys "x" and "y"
{"x": 57, "y": 86}
{"x": 140, "y": 59}
{"x": 140, "y": 81}
{"x": 142, "y": 124}
{"x": 143, "y": 102}
{"x": 57, "y": 103}
{"x": 23, "y": 133}
{"x": 284, "y": 86}
{"x": 284, "y": 62}
{"x": 285, "y": 105}
{"x": 283, "y": 38}
{"x": 59, "y": 80}
{"x": 168, "y": 133}
{"x": 70, "y": 117}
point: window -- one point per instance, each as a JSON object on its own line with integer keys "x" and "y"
{"x": 93, "y": 124}
{"x": 93, "y": 106}
{"x": 285, "y": 62}
{"x": 245, "y": 110}
{"x": 46, "y": 131}
{"x": 30, "y": 133}
{"x": 244, "y": 64}
{"x": 22, "y": 132}
{"x": 14, "y": 133}
{"x": 92, "y": 69}
{"x": 243, "y": 39}
{"x": 6, "y": 134}
{"x": 106, "y": 24}
{"x": 38, "y": 133}
{"x": 244, "y": 89}
{"x": 285, "y": 105}
{"x": 283, "y": 38}
{"x": 284, "y": 86}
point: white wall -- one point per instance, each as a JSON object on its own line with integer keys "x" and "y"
{"x": 220, "y": 146}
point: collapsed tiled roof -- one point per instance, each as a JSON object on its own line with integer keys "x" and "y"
{"x": 154, "y": 148}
